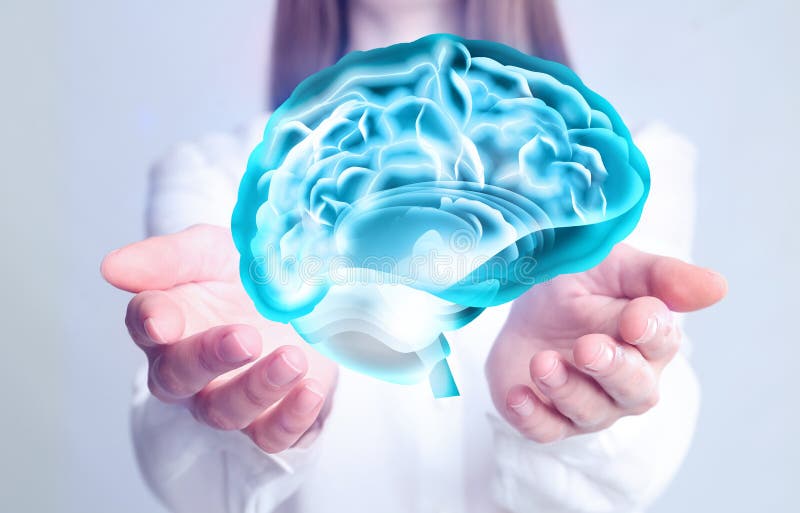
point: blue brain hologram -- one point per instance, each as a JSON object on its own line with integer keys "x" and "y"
{"x": 400, "y": 192}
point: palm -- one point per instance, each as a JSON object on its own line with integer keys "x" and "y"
{"x": 216, "y": 303}
{"x": 559, "y": 311}
{"x": 219, "y": 303}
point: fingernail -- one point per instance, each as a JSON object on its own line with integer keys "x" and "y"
{"x": 649, "y": 331}
{"x": 602, "y": 358}
{"x": 152, "y": 331}
{"x": 523, "y": 408}
{"x": 284, "y": 369}
{"x": 308, "y": 399}
{"x": 231, "y": 350}
{"x": 556, "y": 376}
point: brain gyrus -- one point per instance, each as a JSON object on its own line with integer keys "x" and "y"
{"x": 403, "y": 190}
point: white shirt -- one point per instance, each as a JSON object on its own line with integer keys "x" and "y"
{"x": 392, "y": 448}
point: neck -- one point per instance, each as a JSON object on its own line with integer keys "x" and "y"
{"x": 374, "y": 24}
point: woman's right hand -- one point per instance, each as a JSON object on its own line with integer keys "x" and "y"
{"x": 209, "y": 348}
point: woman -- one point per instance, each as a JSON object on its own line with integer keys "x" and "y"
{"x": 239, "y": 413}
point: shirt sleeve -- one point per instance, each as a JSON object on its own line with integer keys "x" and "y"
{"x": 626, "y": 467}
{"x": 190, "y": 467}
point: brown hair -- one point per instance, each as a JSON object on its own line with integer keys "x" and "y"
{"x": 313, "y": 34}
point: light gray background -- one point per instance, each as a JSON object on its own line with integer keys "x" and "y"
{"x": 93, "y": 91}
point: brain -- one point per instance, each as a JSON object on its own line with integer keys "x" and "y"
{"x": 400, "y": 192}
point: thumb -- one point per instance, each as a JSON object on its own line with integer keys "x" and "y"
{"x": 198, "y": 253}
{"x": 683, "y": 287}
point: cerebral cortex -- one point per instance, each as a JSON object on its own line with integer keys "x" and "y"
{"x": 398, "y": 193}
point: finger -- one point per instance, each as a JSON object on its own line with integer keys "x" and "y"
{"x": 534, "y": 419}
{"x": 620, "y": 370}
{"x": 235, "y": 403}
{"x": 647, "y": 324}
{"x": 572, "y": 393}
{"x": 183, "y": 368}
{"x": 681, "y": 286}
{"x": 153, "y": 318}
{"x": 282, "y": 426}
{"x": 199, "y": 253}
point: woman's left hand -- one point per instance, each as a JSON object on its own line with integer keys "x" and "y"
{"x": 582, "y": 350}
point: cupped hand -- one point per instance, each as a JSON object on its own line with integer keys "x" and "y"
{"x": 209, "y": 348}
{"x": 582, "y": 350}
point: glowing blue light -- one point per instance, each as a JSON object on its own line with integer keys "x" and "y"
{"x": 403, "y": 190}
